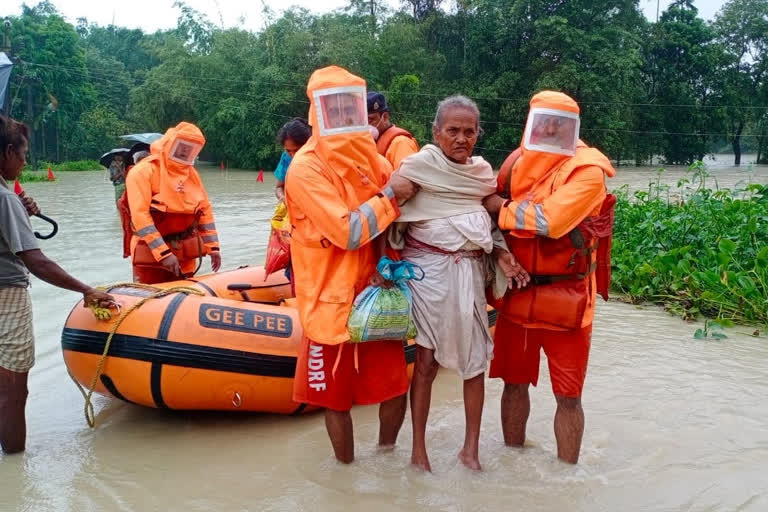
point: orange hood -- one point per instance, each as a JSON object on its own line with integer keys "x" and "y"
{"x": 535, "y": 165}
{"x": 180, "y": 186}
{"x": 351, "y": 155}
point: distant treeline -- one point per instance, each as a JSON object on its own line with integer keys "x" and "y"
{"x": 677, "y": 89}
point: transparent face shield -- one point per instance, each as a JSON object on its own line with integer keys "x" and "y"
{"x": 552, "y": 131}
{"x": 185, "y": 152}
{"x": 341, "y": 110}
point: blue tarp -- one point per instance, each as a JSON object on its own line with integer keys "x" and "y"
{"x": 5, "y": 77}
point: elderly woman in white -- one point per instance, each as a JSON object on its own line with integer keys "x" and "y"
{"x": 445, "y": 230}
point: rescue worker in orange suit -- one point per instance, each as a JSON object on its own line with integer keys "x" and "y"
{"x": 393, "y": 142}
{"x": 339, "y": 202}
{"x": 171, "y": 217}
{"x": 556, "y": 189}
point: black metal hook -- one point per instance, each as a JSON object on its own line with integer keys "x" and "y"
{"x": 52, "y": 223}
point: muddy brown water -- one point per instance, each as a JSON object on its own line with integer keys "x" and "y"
{"x": 672, "y": 423}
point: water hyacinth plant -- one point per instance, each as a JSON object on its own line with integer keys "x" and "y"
{"x": 695, "y": 248}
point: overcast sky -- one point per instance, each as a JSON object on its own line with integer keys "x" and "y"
{"x": 151, "y": 15}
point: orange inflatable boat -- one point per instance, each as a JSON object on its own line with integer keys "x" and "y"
{"x": 233, "y": 347}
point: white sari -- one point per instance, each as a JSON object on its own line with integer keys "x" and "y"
{"x": 446, "y": 230}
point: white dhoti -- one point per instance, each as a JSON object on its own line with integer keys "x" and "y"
{"x": 449, "y": 305}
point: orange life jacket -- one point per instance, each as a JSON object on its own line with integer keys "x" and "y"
{"x": 565, "y": 272}
{"x": 386, "y": 138}
{"x": 175, "y": 228}
{"x": 396, "y": 144}
{"x": 180, "y": 233}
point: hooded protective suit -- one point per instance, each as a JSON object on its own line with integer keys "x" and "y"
{"x": 555, "y": 188}
{"x": 338, "y": 203}
{"x": 169, "y": 208}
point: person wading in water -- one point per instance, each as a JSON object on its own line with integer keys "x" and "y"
{"x": 19, "y": 256}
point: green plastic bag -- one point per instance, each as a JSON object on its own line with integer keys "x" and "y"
{"x": 385, "y": 313}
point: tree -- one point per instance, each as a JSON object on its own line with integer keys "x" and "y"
{"x": 127, "y": 46}
{"x": 194, "y": 28}
{"x": 742, "y": 27}
{"x": 589, "y": 49}
{"x": 53, "y": 75}
{"x": 96, "y": 133}
{"x": 372, "y": 10}
{"x": 679, "y": 61}
{"x": 421, "y": 9}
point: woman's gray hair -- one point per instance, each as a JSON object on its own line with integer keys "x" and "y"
{"x": 456, "y": 101}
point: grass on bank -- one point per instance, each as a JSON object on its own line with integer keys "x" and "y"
{"x": 41, "y": 174}
{"x": 32, "y": 176}
{"x": 72, "y": 166}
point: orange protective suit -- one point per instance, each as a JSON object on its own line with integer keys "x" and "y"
{"x": 556, "y": 199}
{"x": 550, "y": 195}
{"x": 169, "y": 208}
{"x": 338, "y": 202}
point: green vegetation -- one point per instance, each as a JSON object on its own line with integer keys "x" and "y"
{"x": 712, "y": 329}
{"x": 73, "y": 166}
{"x": 694, "y": 249}
{"x": 41, "y": 174}
{"x": 679, "y": 88}
{"x": 32, "y": 176}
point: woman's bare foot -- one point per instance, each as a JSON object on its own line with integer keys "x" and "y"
{"x": 470, "y": 460}
{"x": 385, "y": 448}
{"x": 421, "y": 462}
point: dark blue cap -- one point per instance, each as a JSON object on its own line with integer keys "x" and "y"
{"x": 377, "y": 103}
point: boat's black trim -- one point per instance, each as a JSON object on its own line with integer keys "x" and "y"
{"x": 204, "y": 287}
{"x": 110, "y": 385}
{"x": 156, "y": 374}
{"x": 170, "y": 313}
{"x": 156, "y": 385}
{"x": 179, "y": 354}
{"x": 188, "y": 355}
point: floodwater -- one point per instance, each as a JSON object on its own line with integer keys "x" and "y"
{"x": 723, "y": 174}
{"x": 672, "y": 423}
